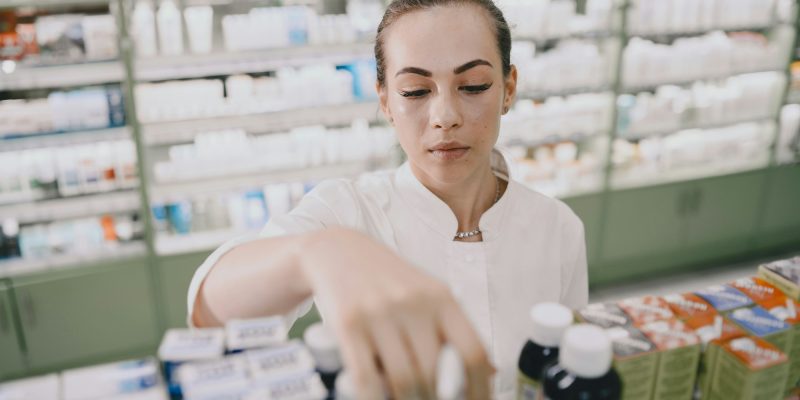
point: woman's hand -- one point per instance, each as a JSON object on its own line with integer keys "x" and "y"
{"x": 390, "y": 317}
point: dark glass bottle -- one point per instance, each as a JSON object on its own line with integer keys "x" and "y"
{"x": 549, "y": 321}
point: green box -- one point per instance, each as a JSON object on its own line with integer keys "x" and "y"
{"x": 635, "y": 360}
{"x": 750, "y": 368}
{"x": 678, "y": 360}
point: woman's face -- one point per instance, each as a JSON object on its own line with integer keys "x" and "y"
{"x": 445, "y": 90}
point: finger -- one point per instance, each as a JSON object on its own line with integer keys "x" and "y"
{"x": 422, "y": 337}
{"x": 395, "y": 358}
{"x": 358, "y": 357}
{"x": 458, "y": 331}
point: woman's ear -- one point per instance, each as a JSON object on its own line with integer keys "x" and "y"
{"x": 510, "y": 87}
{"x": 383, "y": 96}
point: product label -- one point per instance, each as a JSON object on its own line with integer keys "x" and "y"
{"x": 757, "y": 289}
{"x": 194, "y": 344}
{"x": 646, "y": 309}
{"x": 724, "y": 297}
{"x": 245, "y": 334}
{"x": 528, "y": 388}
{"x": 670, "y": 334}
{"x": 635, "y": 360}
{"x": 789, "y": 269}
{"x": 688, "y": 305}
{"x": 290, "y": 358}
{"x": 604, "y": 315}
{"x": 301, "y": 386}
{"x": 212, "y": 373}
{"x": 758, "y": 321}
{"x": 755, "y": 353}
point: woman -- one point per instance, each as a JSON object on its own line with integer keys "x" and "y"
{"x": 392, "y": 257}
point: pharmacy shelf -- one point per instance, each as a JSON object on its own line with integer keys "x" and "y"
{"x": 635, "y": 89}
{"x": 167, "y": 133}
{"x": 57, "y": 76}
{"x": 660, "y": 37}
{"x": 168, "y": 244}
{"x": 645, "y": 135}
{"x": 40, "y": 140}
{"x": 551, "y": 139}
{"x": 52, "y": 3}
{"x": 72, "y": 207}
{"x": 629, "y": 179}
{"x": 166, "y": 191}
{"x": 201, "y": 65}
{"x": 551, "y": 41}
{"x": 544, "y": 95}
{"x": 114, "y": 252}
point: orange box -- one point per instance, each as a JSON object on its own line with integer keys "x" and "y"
{"x": 679, "y": 349}
{"x": 689, "y": 305}
{"x": 704, "y": 325}
{"x": 788, "y": 310}
{"x": 644, "y": 310}
{"x": 757, "y": 289}
{"x": 748, "y": 368}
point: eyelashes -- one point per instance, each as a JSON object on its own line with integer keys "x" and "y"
{"x": 477, "y": 89}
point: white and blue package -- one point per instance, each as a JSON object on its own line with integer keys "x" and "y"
{"x": 297, "y": 386}
{"x": 287, "y": 359}
{"x": 109, "y": 380}
{"x": 203, "y": 379}
{"x": 724, "y": 297}
{"x": 182, "y": 345}
{"x": 253, "y": 333}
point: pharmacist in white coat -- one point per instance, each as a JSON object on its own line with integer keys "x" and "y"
{"x": 446, "y": 248}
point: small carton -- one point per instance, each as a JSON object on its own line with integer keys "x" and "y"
{"x": 644, "y": 310}
{"x": 106, "y": 381}
{"x": 206, "y": 379}
{"x": 758, "y": 322}
{"x": 713, "y": 330}
{"x": 749, "y": 368}
{"x": 688, "y": 305}
{"x": 286, "y": 359}
{"x": 724, "y": 298}
{"x": 756, "y": 289}
{"x": 785, "y": 274}
{"x": 635, "y": 360}
{"x": 678, "y": 360}
{"x": 297, "y": 386}
{"x": 184, "y": 345}
{"x": 787, "y": 310}
{"x": 604, "y": 315}
{"x": 254, "y": 333}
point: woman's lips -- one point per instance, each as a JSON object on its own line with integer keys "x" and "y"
{"x": 450, "y": 154}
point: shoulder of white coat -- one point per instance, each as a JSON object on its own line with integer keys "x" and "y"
{"x": 559, "y": 211}
{"x": 346, "y": 196}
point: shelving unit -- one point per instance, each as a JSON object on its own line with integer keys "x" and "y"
{"x": 635, "y": 225}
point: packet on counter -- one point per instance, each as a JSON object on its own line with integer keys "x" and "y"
{"x": 688, "y": 305}
{"x": 635, "y": 360}
{"x": 749, "y": 368}
{"x": 290, "y": 358}
{"x": 604, "y": 315}
{"x": 227, "y": 376}
{"x": 644, "y": 310}
{"x": 182, "y": 345}
{"x": 760, "y": 323}
{"x": 45, "y": 387}
{"x": 297, "y": 386}
{"x": 252, "y": 333}
{"x": 786, "y": 309}
{"x": 679, "y": 356}
{"x": 713, "y": 330}
{"x": 724, "y": 298}
{"x": 107, "y": 381}
{"x": 785, "y": 274}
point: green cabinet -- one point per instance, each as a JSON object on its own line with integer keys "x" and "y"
{"x": 780, "y": 222}
{"x": 175, "y": 274}
{"x": 590, "y": 210}
{"x": 88, "y": 314}
{"x": 723, "y": 214}
{"x": 12, "y": 361}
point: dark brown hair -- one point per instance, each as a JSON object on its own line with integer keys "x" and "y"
{"x": 398, "y": 8}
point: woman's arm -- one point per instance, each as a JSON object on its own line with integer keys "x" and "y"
{"x": 389, "y": 316}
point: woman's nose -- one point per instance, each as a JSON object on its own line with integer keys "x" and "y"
{"x": 444, "y": 112}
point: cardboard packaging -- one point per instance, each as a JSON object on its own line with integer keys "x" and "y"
{"x": 635, "y": 360}
{"x": 644, "y": 310}
{"x": 749, "y": 368}
{"x": 784, "y": 274}
{"x": 689, "y": 305}
{"x": 678, "y": 360}
{"x": 713, "y": 331}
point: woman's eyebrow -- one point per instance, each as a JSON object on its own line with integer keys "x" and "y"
{"x": 457, "y": 70}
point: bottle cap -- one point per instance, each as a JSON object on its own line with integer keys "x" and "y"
{"x": 585, "y": 351}
{"x": 449, "y": 375}
{"x": 322, "y": 343}
{"x": 10, "y": 227}
{"x": 550, "y": 320}
{"x": 344, "y": 387}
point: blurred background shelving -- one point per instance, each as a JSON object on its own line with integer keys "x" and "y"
{"x": 670, "y": 127}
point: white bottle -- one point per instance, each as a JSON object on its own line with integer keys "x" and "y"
{"x": 200, "y": 24}
{"x": 170, "y": 29}
{"x": 449, "y": 375}
{"x": 143, "y": 28}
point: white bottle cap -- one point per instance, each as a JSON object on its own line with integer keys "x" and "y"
{"x": 550, "y": 320}
{"x": 10, "y": 227}
{"x": 585, "y": 351}
{"x": 449, "y": 375}
{"x": 322, "y": 343}
{"x": 344, "y": 387}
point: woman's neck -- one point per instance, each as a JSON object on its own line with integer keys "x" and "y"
{"x": 468, "y": 199}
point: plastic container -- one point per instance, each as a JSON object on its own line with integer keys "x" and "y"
{"x": 550, "y": 321}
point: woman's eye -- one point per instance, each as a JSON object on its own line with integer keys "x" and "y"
{"x": 415, "y": 93}
{"x": 477, "y": 89}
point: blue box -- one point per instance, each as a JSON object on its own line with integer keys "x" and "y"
{"x": 724, "y": 297}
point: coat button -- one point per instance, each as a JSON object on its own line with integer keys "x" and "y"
{"x": 469, "y": 258}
